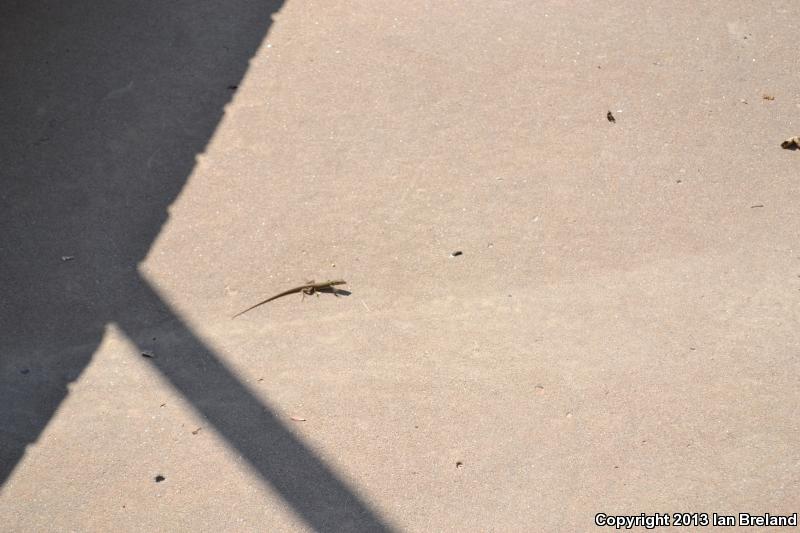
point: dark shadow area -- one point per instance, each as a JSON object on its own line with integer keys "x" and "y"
{"x": 337, "y": 292}
{"x": 103, "y": 109}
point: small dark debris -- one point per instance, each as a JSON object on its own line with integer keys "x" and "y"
{"x": 610, "y": 117}
{"x": 25, "y": 371}
{"x": 792, "y": 143}
{"x": 459, "y": 464}
{"x": 232, "y": 87}
{"x": 260, "y": 379}
{"x": 148, "y": 354}
{"x": 196, "y": 431}
{"x": 456, "y": 253}
{"x": 768, "y": 97}
{"x": 162, "y": 405}
{"x": 160, "y": 478}
{"x": 757, "y": 205}
{"x": 678, "y": 181}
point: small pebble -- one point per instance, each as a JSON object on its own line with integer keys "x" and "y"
{"x": 792, "y": 143}
{"x": 160, "y": 478}
{"x": 456, "y": 253}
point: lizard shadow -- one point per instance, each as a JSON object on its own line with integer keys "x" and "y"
{"x": 113, "y": 102}
{"x": 335, "y": 291}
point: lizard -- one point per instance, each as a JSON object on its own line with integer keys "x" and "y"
{"x": 309, "y": 288}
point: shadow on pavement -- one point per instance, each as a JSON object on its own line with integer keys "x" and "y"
{"x": 103, "y": 109}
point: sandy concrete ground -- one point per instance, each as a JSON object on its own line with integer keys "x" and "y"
{"x": 620, "y": 334}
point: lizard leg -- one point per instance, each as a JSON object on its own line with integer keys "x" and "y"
{"x": 307, "y": 291}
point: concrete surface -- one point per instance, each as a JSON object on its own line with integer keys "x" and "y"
{"x": 620, "y": 334}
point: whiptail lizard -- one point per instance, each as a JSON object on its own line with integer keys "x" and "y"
{"x": 309, "y": 288}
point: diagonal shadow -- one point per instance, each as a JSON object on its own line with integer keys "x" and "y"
{"x": 103, "y": 109}
{"x": 315, "y": 493}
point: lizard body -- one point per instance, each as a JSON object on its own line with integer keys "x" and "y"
{"x": 309, "y": 288}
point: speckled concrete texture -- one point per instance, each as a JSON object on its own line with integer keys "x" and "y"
{"x": 620, "y": 335}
